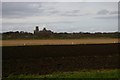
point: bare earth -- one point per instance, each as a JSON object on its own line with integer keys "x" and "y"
{"x": 56, "y": 42}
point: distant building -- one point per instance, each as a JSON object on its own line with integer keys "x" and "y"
{"x": 44, "y": 31}
{"x": 36, "y": 30}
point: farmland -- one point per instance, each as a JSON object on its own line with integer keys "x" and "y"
{"x": 47, "y": 59}
{"x": 58, "y": 42}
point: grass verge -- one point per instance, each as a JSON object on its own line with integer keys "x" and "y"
{"x": 104, "y": 73}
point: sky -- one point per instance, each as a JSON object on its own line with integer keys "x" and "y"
{"x": 60, "y": 0}
{"x": 60, "y": 16}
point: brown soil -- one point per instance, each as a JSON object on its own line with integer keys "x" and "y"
{"x": 46, "y": 59}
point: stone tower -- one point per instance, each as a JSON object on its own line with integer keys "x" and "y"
{"x": 36, "y": 29}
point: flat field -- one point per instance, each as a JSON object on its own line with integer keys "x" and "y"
{"x": 57, "y": 42}
{"x": 47, "y": 59}
{"x": 44, "y": 57}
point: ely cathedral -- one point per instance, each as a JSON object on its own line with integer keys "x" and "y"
{"x": 44, "y": 31}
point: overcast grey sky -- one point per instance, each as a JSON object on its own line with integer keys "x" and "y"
{"x": 60, "y": 16}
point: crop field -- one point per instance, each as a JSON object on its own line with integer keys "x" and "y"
{"x": 57, "y": 42}
{"x": 48, "y": 59}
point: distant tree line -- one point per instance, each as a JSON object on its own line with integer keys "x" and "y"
{"x": 64, "y": 35}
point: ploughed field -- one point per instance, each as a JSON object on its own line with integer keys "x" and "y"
{"x": 57, "y": 42}
{"x": 46, "y": 59}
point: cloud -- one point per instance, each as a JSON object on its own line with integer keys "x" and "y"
{"x": 16, "y": 10}
{"x": 76, "y": 11}
{"x": 106, "y": 14}
{"x": 60, "y": 16}
{"x": 0, "y": 10}
{"x": 103, "y": 12}
{"x": 114, "y": 12}
{"x": 108, "y": 17}
{"x": 23, "y": 10}
{"x": 72, "y": 13}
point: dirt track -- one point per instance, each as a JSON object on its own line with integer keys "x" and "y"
{"x": 56, "y": 42}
